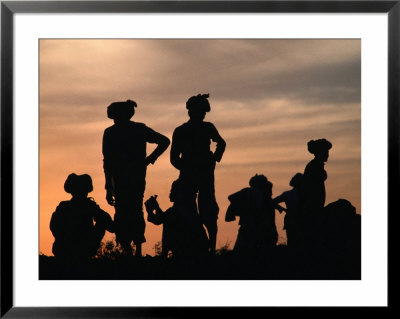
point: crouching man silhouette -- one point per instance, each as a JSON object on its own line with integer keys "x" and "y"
{"x": 183, "y": 233}
{"x": 79, "y": 224}
{"x": 257, "y": 233}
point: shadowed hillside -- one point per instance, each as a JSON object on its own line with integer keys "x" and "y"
{"x": 225, "y": 265}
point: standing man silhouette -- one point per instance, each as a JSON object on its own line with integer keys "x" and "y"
{"x": 313, "y": 191}
{"x": 292, "y": 199}
{"x": 191, "y": 155}
{"x": 315, "y": 176}
{"x": 125, "y": 163}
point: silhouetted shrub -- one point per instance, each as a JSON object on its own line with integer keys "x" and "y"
{"x": 109, "y": 251}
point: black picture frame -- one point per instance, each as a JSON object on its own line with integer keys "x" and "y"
{"x": 9, "y": 8}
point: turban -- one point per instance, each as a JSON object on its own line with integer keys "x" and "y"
{"x": 78, "y": 184}
{"x": 317, "y": 146}
{"x": 199, "y": 102}
{"x": 121, "y": 110}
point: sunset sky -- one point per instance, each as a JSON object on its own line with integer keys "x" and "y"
{"x": 268, "y": 99}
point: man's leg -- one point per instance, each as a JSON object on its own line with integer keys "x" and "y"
{"x": 139, "y": 222}
{"x": 123, "y": 220}
{"x": 138, "y": 250}
{"x": 129, "y": 220}
{"x": 212, "y": 229}
{"x": 139, "y": 226}
{"x": 208, "y": 210}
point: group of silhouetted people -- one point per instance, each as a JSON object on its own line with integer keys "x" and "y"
{"x": 125, "y": 163}
{"x": 190, "y": 224}
{"x": 304, "y": 202}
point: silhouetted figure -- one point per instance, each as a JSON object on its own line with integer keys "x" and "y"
{"x": 256, "y": 209}
{"x": 313, "y": 192}
{"x": 125, "y": 162}
{"x": 183, "y": 233}
{"x": 78, "y": 225}
{"x": 292, "y": 200}
{"x": 340, "y": 227}
{"x": 191, "y": 155}
{"x": 338, "y": 230}
{"x": 315, "y": 176}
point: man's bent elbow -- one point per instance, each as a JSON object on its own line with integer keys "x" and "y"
{"x": 164, "y": 142}
{"x": 223, "y": 143}
{"x": 167, "y": 141}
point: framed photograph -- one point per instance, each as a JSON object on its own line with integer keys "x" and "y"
{"x": 163, "y": 155}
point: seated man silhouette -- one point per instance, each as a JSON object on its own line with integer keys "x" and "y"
{"x": 79, "y": 224}
{"x": 191, "y": 155}
{"x": 183, "y": 233}
{"x": 254, "y": 206}
{"x": 125, "y": 166}
{"x": 339, "y": 228}
{"x": 292, "y": 199}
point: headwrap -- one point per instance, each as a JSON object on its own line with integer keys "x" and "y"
{"x": 296, "y": 180}
{"x": 317, "y": 146}
{"x": 121, "y": 110}
{"x": 199, "y": 102}
{"x": 260, "y": 182}
{"x": 78, "y": 184}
